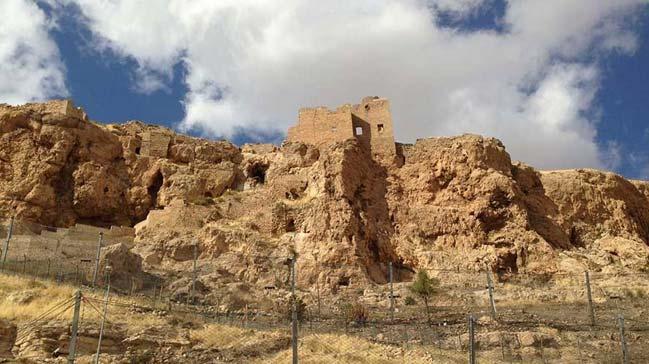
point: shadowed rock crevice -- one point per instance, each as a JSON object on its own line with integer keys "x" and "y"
{"x": 154, "y": 188}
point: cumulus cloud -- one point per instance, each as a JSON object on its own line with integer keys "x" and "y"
{"x": 30, "y": 66}
{"x": 251, "y": 64}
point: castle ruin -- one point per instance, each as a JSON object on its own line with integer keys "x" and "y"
{"x": 155, "y": 144}
{"x": 370, "y": 122}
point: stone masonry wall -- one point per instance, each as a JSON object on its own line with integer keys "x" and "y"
{"x": 370, "y": 122}
{"x": 321, "y": 126}
{"x": 155, "y": 144}
{"x": 377, "y": 126}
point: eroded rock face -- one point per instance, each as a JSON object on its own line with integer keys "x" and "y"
{"x": 450, "y": 203}
{"x": 459, "y": 202}
{"x": 123, "y": 266}
{"x": 58, "y": 169}
{"x": 593, "y": 204}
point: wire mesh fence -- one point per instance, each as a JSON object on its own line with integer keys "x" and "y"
{"x": 594, "y": 317}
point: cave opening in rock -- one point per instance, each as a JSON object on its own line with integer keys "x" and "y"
{"x": 343, "y": 281}
{"x": 154, "y": 188}
{"x": 257, "y": 172}
{"x": 290, "y": 225}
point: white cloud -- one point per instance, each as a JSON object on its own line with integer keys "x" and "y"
{"x": 251, "y": 64}
{"x": 30, "y": 66}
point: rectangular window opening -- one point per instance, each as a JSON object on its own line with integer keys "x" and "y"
{"x": 359, "y": 130}
{"x": 380, "y": 128}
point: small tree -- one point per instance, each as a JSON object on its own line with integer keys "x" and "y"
{"x": 425, "y": 287}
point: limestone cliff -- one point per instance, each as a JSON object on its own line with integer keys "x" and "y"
{"x": 58, "y": 169}
{"x": 455, "y": 203}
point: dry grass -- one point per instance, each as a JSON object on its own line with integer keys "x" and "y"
{"x": 220, "y": 335}
{"x": 344, "y": 349}
{"x": 43, "y": 295}
{"x": 23, "y": 299}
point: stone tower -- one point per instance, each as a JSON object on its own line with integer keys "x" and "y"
{"x": 370, "y": 122}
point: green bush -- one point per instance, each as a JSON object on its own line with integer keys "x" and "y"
{"x": 410, "y": 301}
{"x": 424, "y": 287}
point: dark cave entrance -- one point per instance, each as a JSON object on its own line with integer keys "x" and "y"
{"x": 257, "y": 172}
{"x": 290, "y": 225}
{"x": 153, "y": 190}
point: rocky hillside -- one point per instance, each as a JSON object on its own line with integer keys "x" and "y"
{"x": 455, "y": 202}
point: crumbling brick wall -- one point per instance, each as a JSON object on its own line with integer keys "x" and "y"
{"x": 375, "y": 117}
{"x": 321, "y": 126}
{"x": 370, "y": 122}
{"x": 65, "y": 107}
{"x": 155, "y": 144}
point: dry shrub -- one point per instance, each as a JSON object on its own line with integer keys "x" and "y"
{"x": 286, "y": 309}
{"x": 355, "y": 313}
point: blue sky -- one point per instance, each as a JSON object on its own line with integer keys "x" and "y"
{"x": 563, "y": 84}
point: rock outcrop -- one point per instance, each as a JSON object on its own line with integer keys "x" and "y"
{"x": 451, "y": 203}
{"x": 59, "y": 169}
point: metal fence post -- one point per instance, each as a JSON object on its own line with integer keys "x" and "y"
{"x": 103, "y": 318}
{"x": 294, "y": 334}
{"x": 5, "y": 249}
{"x": 625, "y": 352}
{"x": 194, "y": 274}
{"x": 317, "y": 282}
{"x": 97, "y": 257}
{"x": 155, "y": 298}
{"x": 591, "y": 311}
{"x": 75, "y": 328}
{"x": 391, "y": 276}
{"x": 472, "y": 340}
{"x": 492, "y": 302}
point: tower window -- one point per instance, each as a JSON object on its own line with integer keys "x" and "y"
{"x": 359, "y": 130}
{"x": 380, "y": 128}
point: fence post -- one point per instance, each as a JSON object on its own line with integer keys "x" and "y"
{"x": 103, "y": 317}
{"x": 76, "y": 274}
{"x": 294, "y": 334}
{"x": 625, "y": 352}
{"x": 490, "y": 287}
{"x": 75, "y": 328}
{"x": 161, "y": 297}
{"x": 155, "y": 299}
{"x": 24, "y": 263}
{"x": 391, "y": 276}
{"x": 591, "y": 311}
{"x": 5, "y": 249}
{"x": 97, "y": 257}
{"x": 317, "y": 282}
{"x": 194, "y": 274}
{"x": 471, "y": 340}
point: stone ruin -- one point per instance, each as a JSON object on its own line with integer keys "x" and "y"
{"x": 65, "y": 107}
{"x": 155, "y": 144}
{"x": 370, "y": 122}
